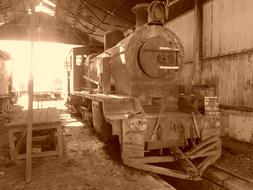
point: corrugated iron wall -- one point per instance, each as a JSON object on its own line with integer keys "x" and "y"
{"x": 227, "y": 48}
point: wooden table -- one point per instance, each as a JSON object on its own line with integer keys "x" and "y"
{"x": 42, "y": 119}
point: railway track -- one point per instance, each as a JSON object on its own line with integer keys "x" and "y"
{"x": 215, "y": 178}
{"x": 225, "y": 179}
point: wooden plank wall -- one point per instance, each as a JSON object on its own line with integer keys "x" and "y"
{"x": 227, "y": 26}
{"x": 183, "y": 27}
{"x": 227, "y": 55}
{"x": 233, "y": 77}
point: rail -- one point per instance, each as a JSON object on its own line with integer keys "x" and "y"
{"x": 227, "y": 179}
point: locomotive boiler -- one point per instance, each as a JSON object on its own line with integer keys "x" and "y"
{"x": 131, "y": 90}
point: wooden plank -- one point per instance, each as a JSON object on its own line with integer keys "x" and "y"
{"x": 236, "y": 36}
{"x": 242, "y": 22}
{"x": 154, "y": 159}
{"x": 245, "y": 89}
{"x": 216, "y": 14}
{"x": 21, "y": 119}
{"x": 36, "y": 127}
{"x": 248, "y": 93}
{"x": 233, "y": 83}
{"x": 187, "y": 34}
{"x": 182, "y": 26}
{"x": 18, "y": 120}
{"x": 59, "y": 141}
{"x": 216, "y": 76}
{"x": 29, "y": 133}
{"x": 30, "y": 99}
{"x": 207, "y": 32}
{"x": 41, "y": 138}
{"x": 222, "y": 81}
{"x": 197, "y": 40}
{"x": 249, "y": 81}
{"x": 248, "y": 23}
{"x": 239, "y": 64}
{"x": 37, "y": 155}
{"x": 227, "y": 26}
{"x": 158, "y": 170}
{"x": 11, "y": 144}
{"x": 228, "y": 82}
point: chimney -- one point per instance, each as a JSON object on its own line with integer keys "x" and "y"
{"x": 141, "y": 12}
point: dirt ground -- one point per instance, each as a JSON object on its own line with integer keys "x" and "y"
{"x": 88, "y": 163}
{"x": 237, "y": 157}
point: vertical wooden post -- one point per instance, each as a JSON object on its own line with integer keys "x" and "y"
{"x": 30, "y": 100}
{"x": 197, "y": 42}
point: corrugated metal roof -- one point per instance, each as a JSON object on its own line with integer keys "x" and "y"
{"x": 83, "y": 21}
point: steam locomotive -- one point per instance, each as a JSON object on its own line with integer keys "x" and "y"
{"x": 130, "y": 89}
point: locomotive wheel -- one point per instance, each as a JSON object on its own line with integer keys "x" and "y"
{"x": 100, "y": 125}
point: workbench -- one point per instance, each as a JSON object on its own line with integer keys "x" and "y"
{"x": 43, "y": 119}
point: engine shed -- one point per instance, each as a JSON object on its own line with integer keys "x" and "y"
{"x": 170, "y": 82}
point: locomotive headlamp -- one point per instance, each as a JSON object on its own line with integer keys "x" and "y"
{"x": 156, "y": 12}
